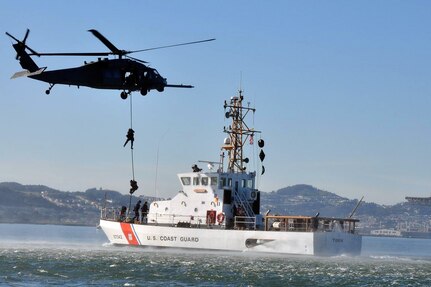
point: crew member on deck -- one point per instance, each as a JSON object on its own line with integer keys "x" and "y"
{"x": 123, "y": 213}
{"x": 136, "y": 210}
{"x": 144, "y": 211}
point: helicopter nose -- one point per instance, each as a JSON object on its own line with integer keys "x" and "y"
{"x": 165, "y": 81}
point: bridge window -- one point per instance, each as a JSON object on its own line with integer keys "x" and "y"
{"x": 214, "y": 180}
{"x": 185, "y": 180}
{"x": 250, "y": 183}
{"x": 196, "y": 181}
{"x": 222, "y": 182}
{"x": 204, "y": 180}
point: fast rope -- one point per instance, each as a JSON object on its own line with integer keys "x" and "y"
{"x": 131, "y": 137}
{"x": 131, "y": 146}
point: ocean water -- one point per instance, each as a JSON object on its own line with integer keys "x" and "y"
{"x": 46, "y": 255}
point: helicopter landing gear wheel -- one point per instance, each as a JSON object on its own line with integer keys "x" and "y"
{"x": 49, "y": 89}
{"x": 123, "y": 95}
{"x": 160, "y": 89}
{"x": 144, "y": 92}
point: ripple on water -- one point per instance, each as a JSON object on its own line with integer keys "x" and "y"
{"x": 136, "y": 267}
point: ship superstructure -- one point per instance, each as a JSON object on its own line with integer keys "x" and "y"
{"x": 215, "y": 197}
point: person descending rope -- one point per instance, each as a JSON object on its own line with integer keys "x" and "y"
{"x": 130, "y": 137}
{"x": 133, "y": 186}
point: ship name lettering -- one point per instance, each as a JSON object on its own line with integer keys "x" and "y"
{"x": 117, "y": 236}
{"x": 337, "y": 240}
{"x": 189, "y": 239}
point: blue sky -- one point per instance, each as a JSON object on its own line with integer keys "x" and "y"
{"x": 342, "y": 91}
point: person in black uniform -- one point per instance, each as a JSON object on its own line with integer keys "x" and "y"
{"x": 144, "y": 212}
{"x": 130, "y": 137}
{"x": 136, "y": 210}
{"x": 133, "y": 186}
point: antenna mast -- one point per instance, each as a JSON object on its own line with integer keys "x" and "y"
{"x": 238, "y": 132}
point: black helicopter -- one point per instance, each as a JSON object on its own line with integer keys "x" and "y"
{"x": 124, "y": 73}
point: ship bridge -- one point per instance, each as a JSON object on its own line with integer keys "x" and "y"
{"x": 209, "y": 198}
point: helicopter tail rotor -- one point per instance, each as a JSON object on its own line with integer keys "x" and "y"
{"x": 21, "y": 45}
{"x": 21, "y": 54}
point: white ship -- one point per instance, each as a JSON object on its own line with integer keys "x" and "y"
{"x": 219, "y": 209}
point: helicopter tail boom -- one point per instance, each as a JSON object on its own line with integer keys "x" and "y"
{"x": 24, "y": 58}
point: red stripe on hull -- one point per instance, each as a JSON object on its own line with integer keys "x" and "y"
{"x": 128, "y": 233}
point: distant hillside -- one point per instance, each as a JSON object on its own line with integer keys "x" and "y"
{"x": 44, "y": 205}
{"x": 307, "y": 200}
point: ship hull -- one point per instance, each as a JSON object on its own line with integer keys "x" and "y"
{"x": 300, "y": 243}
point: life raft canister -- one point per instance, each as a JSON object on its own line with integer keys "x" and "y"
{"x": 220, "y": 218}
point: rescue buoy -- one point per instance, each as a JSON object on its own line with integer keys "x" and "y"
{"x": 211, "y": 215}
{"x": 220, "y": 218}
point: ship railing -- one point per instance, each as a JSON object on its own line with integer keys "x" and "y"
{"x": 309, "y": 224}
{"x": 110, "y": 214}
{"x": 115, "y": 214}
{"x": 245, "y": 222}
{"x": 181, "y": 220}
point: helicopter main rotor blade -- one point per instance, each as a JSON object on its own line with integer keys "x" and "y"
{"x": 13, "y": 37}
{"x": 26, "y": 35}
{"x": 138, "y": 60}
{"x": 169, "y": 46}
{"x": 72, "y": 54}
{"x": 107, "y": 43}
{"x": 179, "y": 86}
